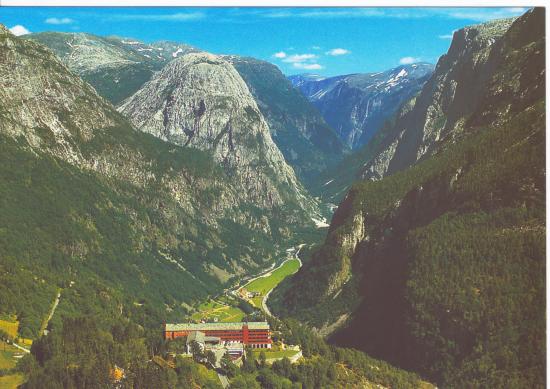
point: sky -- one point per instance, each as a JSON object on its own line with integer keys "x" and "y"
{"x": 326, "y": 41}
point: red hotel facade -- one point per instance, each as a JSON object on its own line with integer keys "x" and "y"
{"x": 253, "y": 334}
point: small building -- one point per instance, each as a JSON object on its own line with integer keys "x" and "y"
{"x": 234, "y": 349}
{"x": 201, "y": 339}
{"x": 252, "y": 334}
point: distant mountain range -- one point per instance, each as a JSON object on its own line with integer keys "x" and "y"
{"x": 357, "y": 105}
{"x": 308, "y": 143}
{"x": 119, "y": 67}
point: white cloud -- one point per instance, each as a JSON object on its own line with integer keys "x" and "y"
{"x": 485, "y": 14}
{"x": 19, "y": 30}
{"x": 408, "y": 60}
{"x": 295, "y": 58}
{"x": 176, "y": 17}
{"x": 59, "y": 21}
{"x": 475, "y": 13}
{"x": 447, "y": 36}
{"x": 299, "y": 61}
{"x": 337, "y": 51}
{"x": 307, "y": 66}
{"x": 345, "y": 13}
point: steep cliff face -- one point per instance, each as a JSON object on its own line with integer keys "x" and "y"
{"x": 34, "y": 109}
{"x": 422, "y": 264}
{"x": 460, "y": 87}
{"x": 357, "y": 105}
{"x": 118, "y": 67}
{"x": 124, "y": 222}
{"x": 115, "y": 67}
{"x": 308, "y": 144}
{"x": 333, "y": 184}
{"x": 201, "y": 101}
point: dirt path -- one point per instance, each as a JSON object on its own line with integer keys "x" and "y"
{"x": 43, "y": 329}
{"x": 21, "y": 347}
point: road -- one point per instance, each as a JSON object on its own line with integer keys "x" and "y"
{"x": 223, "y": 379}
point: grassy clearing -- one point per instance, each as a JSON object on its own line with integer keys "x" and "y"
{"x": 257, "y": 301}
{"x": 264, "y": 284}
{"x": 7, "y": 352}
{"x": 25, "y": 342}
{"x": 223, "y": 310}
{"x": 11, "y": 381}
{"x": 9, "y": 325}
{"x": 275, "y": 354}
{"x": 211, "y": 310}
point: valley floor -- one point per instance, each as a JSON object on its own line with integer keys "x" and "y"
{"x": 228, "y": 307}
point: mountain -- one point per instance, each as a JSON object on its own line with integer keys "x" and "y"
{"x": 462, "y": 85}
{"x": 439, "y": 267}
{"x": 308, "y": 144}
{"x": 119, "y": 222}
{"x": 201, "y": 101}
{"x": 333, "y": 184}
{"x": 298, "y": 80}
{"x": 118, "y": 67}
{"x": 357, "y": 105}
{"x": 115, "y": 67}
{"x": 116, "y": 230}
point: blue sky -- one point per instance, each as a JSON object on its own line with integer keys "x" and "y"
{"x": 326, "y": 41}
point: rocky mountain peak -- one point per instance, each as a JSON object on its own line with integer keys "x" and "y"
{"x": 116, "y": 67}
{"x": 200, "y": 100}
{"x": 55, "y": 109}
{"x": 453, "y": 92}
{"x": 308, "y": 144}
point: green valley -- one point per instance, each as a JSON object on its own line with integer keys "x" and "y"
{"x": 165, "y": 210}
{"x": 260, "y": 287}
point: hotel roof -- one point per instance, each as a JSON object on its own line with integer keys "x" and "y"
{"x": 257, "y": 325}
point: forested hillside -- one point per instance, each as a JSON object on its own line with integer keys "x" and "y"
{"x": 178, "y": 204}
{"x": 124, "y": 224}
{"x": 440, "y": 267}
{"x": 92, "y": 353}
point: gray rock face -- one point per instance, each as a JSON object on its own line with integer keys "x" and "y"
{"x": 53, "y": 111}
{"x": 308, "y": 144}
{"x": 56, "y": 112}
{"x": 454, "y": 91}
{"x": 200, "y": 100}
{"x": 115, "y": 67}
{"x": 50, "y": 109}
{"x": 357, "y": 105}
